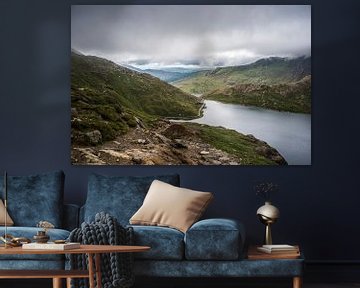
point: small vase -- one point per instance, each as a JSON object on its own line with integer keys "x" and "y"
{"x": 41, "y": 237}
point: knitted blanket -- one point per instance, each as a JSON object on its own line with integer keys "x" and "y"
{"x": 116, "y": 268}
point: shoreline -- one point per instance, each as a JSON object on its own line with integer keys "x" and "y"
{"x": 202, "y": 107}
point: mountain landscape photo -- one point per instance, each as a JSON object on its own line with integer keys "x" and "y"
{"x": 199, "y": 93}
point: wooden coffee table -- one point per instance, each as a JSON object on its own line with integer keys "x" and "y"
{"x": 92, "y": 251}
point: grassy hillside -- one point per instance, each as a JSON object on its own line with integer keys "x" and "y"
{"x": 292, "y": 97}
{"x": 247, "y": 148}
{"x": 111, "y": 98}
{"x": 274, "y": 83}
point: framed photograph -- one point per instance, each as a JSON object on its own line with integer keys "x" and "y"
{"x": 191, "y": 85}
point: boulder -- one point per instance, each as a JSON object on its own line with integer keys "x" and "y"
{"x": 93, "y": 137}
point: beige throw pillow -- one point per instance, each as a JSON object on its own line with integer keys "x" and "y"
{"x": 170, "y": 206}
{"x": 9, "y": 221}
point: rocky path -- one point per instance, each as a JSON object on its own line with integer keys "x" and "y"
{"x": 167, "y": 144}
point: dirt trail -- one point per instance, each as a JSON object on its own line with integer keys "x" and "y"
{"x": 166, "y": 144}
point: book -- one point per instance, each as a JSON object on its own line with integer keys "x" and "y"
{"x": 278, "y": 249}
{"x": 51, "y": 246}
{"x": 255, "y": 254}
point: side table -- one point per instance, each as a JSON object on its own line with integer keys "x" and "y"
{"x": 255, "y": 255}
{"x": 93, "y": 251}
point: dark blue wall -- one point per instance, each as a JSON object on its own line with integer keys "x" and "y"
{"x": 318, "y": 203}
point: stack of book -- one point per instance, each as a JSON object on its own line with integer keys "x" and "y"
{"x": 274, "y": 252}
{"x": 279, "y": 249}
{"x": 51, "y": 246}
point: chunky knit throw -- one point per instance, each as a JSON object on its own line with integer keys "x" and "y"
{"x": 116, "y": 268}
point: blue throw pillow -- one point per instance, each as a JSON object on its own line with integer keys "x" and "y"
{"x": 35, "y": 198}
{"x": 120, "y": 196}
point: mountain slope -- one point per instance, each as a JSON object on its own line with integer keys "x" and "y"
{"x": 294, "y": 96}
{"x": 274, "y": 83}
{"x": 171, "y": 74}
{"x": 117, "y": 117}
{"x": 111, "y": 98}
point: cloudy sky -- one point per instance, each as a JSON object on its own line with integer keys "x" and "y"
{"x": 190, "y": 36}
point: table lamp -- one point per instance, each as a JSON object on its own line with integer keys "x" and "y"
{"x": 268, "y": 214}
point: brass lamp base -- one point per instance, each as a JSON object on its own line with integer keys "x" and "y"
{"x": 268, "y": 237}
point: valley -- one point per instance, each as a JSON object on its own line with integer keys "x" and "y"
{"x": 121, "y": 115}
{"x": 274, "y": 83}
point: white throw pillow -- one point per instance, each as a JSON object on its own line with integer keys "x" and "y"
{"x": 170, "y": 206}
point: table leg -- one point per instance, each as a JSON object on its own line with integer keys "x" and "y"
{"x": 91, "y": 270}
{"x": 68, "y": 282}
{"x": 98, "y": 270}
{"x": 57, "y": 283}
{"x": 297, "y": 282}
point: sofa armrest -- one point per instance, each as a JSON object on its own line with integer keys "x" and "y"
{"x": 215, "y": 239}
{"x": 82, "y": 214}
{"x": 71, "y": 216}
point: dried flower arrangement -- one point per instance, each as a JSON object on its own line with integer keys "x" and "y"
{"x": 265, "y": 189}
{"x": 45, "y": 225}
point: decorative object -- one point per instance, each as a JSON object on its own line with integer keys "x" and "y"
{"x": 265, "y": 189}
{"x": 268, "y": 213}
{"x": 60, "y": 241}
{"x": 170, "y": 206}
{"x": 41, "y": 236}
{"x": 11, "y": 241}
{"x": 125, "y": 89}
{"x": 45, "y": 225}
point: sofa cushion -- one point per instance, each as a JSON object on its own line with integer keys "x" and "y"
{"x": 29, "y": 232}
{"x": 165, "y": 243}
{"x": 35, "y": 198}
{"x": 169, "y": 206}
{"x": 214, "y": 239}
{"x": 9, "y": 221}
{"x": 120, "y": 196}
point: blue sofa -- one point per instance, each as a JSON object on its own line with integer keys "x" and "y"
{"x": 32, "y": 199}
{"x": 210, "y": 248}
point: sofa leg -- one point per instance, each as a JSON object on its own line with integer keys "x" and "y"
{"x": 57, "y": 283}
{"x": 297, "y": 282}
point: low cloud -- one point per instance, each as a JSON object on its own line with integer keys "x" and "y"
{"x": 216, "y": 35}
